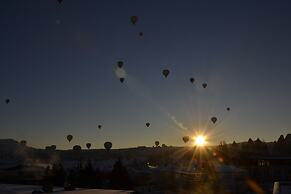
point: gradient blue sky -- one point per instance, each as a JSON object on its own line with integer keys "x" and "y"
{"x": 61, "y": 79}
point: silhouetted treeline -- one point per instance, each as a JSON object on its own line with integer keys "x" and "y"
{"x": 281, "y": 147}
{"x": 86, "y": 176}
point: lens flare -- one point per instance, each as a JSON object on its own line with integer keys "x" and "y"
{"x": 200, "y": 140}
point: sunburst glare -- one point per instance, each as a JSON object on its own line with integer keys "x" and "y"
{"x": 200, "y": 140}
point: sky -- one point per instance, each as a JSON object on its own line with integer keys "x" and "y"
{"x": 58, "y": 67}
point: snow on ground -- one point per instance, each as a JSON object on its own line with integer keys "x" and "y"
{"x": 27, "y": 189}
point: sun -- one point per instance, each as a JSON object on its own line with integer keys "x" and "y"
{"x": 200, "y": 140}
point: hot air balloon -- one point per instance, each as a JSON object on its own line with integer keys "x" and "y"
{"x": 60, "y": 1}
{"x": 192, "y": 80}
{"x": 140, "y": 34}
{"x": 23, "y": 142}
{"x": 77, "y": 148}
{"x": 148, "y": 124}
{"x": 120, "y": 64}
{"x": 99, "y": 126}
{"x": 213, "y": 119}
{"x": 53, "y": 147}
{"x": 88, "y": 145}
{"x": 186, "y": 139}
{"x": 107, "y": 145}
{"x": 69, "y": 138}
{"x": 228, "y": 109}
{"x": 166, "y": 72}
{"x": 204, "y": 85}
{"x": 58, "y": 22}
{"x": 157, "y": 143}
{"x": 134, "y": 19}
{"x": 7, "y": 100}
{"x": 121, "y": 79}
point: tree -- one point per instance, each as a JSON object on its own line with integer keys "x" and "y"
{"x": 72, "y": 178}
{"x": 47, "y": 185}
{"x": 58, "y": 174}
{"x": 119, "y": 177}
{"x": 87, "y": 176}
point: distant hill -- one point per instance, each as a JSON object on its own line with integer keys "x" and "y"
{"x": 8, "y": 144}
{"x": 11, "y": 150}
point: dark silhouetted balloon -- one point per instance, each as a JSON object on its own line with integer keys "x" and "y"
{"x": 121, "y": 79}
{"x": 53, "y": 147}
{"x": 60, "y": 1}
{"x": 166, "y": 72}
{"x": 204, "y": 85}
{"x": 192, "y": 80}
{"x": 23, "y": 142}
{"x": 186, "y": 139}
{"x": 157, "y": 143}
{"x": 134, "y": 19}
{"x": 213, "y": 119}
{"x": 7, "y": 100}
{"x": 107, "y": 145}
{"x": 140, "y": 34}
{"x": 69, "y": 138}
{"x": 148, "y": 124}
{"x": 99, "y": 126}
{"x": 88, "y": 145}
{"x": 120, "y": 64}
{"x": 228, "y": 109}
{"x": 77, "y": 148}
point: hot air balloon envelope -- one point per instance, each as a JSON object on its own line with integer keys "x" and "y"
{"x": 192, "y": 80}
{"x": 88, "y": 145}
{"x": 107, "y": 145}
{"x": 166, "y": 72}
{"x": 186, "y": 139}
{"x": 213, "y": 119}
{"x": 7, "y": 101}
{"x": 134, "y": 19}
{"x": 120, "y": 64}
{"x": 69, "y": 138}
{"x": 157, "y": 143}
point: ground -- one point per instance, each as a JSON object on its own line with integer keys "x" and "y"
{"x": 27, "y": 189}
